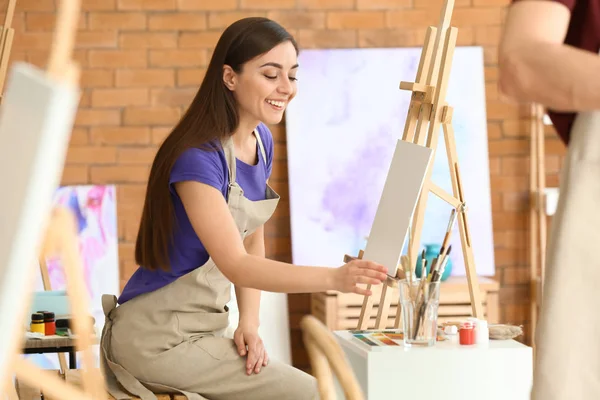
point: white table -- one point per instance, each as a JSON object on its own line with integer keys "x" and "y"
{"x": 448, "y": 371}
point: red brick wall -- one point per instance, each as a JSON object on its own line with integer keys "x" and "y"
{"x": 142, "y": 61}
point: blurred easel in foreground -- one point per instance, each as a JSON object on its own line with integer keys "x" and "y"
{"x": 36, "y": 121}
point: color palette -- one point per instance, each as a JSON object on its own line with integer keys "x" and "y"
{"x": 379, "y": 338}
{"x": 363, "y": 339}
{"x": 383, "y": 338}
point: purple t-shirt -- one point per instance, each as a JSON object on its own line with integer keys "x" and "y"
{"x": 209, "y": 167}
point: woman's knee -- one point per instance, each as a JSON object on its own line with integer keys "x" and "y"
{"x": 303, "y": 386}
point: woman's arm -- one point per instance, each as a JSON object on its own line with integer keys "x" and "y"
{"x": 248, "y": 299}
{"x": 214, "y": 225}
{"x": 535, "y": 65}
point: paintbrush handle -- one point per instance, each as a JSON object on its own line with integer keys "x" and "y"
{"x": 449, "y": 230}
{"x": 420, "y": 317}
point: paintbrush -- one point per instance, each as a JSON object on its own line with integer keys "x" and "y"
{"x": 448, "y": 230}
{"x": 443, "y": 268}
{"x": 421, "y": 311}
{"x": 437, "y": 274}
{"x": 441, "y": 259}
{"x": 410, "y": 265}
{"x": 423, "y": 278}
{"x": 434, "y": 263}
{"x": 445, "y": 242}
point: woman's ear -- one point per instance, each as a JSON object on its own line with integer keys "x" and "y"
{"x": 229, "y": 77}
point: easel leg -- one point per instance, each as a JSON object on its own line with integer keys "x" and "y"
{"x": 533, "y": 224}
{"x": 48, "y": 286}
{"x": 384, "y": 307}
{"x": 365, "y": 312}
{"x": 537, "y": 216}
{"x": 465, "y": 237}
{"x": 91, "y": 376}
{"x": 398, "y": 319}
{"x": 541, "y": 180}
{"x": 367, "y": 305}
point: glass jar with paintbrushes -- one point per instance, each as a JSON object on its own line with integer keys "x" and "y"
{"x": 419, "y": 299}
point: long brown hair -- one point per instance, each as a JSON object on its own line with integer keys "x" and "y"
{"x": 211, "y": 117}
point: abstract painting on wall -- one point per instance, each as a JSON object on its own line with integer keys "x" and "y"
{"x": 341, "y": 131}
{"x": 95, "y": 211}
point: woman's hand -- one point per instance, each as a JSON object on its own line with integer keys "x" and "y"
{"x": 347, "y": 277}
{"x": 248, "y": 342}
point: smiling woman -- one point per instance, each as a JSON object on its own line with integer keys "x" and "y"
{"x": 202, "y": 230}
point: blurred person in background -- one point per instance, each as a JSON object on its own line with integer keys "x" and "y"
{"x": 549, "y": 55}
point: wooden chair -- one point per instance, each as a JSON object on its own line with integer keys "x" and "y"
{"x": 325, "y": 355}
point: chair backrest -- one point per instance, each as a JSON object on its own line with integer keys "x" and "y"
{"x": 325, "y": 356}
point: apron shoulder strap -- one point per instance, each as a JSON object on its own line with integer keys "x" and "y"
{"x": 109, "y": 302}
{"x": 230, "y": 158}
{"x": 260, "y": 145}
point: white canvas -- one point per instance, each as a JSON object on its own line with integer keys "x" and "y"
{"x": 341, "y": 131}
{"x": 397, "y": 204}
{"x": 36, "y": 119}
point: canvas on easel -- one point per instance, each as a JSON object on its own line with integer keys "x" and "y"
{"x": 428, "y": 112}
{"x": 36, "y": 120}
{"x": 397, "y": 204}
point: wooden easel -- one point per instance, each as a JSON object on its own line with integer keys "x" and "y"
{"x": 61, "y": 239}
{"x": 427, "y": 111}
{"x": 537, "y": 214}
{"x": 6, "y": 39}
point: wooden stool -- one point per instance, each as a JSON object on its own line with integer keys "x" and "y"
{"x": 73, "y": 377}
{"x": 158, "y": 396}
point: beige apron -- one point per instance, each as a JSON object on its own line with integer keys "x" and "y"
{"x": 171, "y": 340}
{"x": 567, "y": 363}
